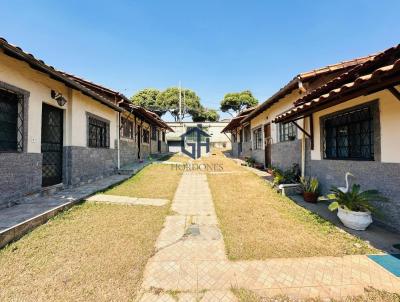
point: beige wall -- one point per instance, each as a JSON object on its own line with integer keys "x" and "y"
{"x": 82, "y": 104}
{"x": 39, "y": 85}
{"x": 389, "y": 108}
{"x": 268, "y": 115}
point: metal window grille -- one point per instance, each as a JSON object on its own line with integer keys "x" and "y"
{"x": 127, "y": 128}
{"x": 99, "y": 133}
{"x": 349, "y": 135}
{"x": 11, "y": 121}
{"x": 287, "y": 132}
{"x": 257, "y": 138}
{"x": 154, "y": 133}
{"x": 145, "y": 136}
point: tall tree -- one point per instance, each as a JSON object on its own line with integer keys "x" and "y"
{"x": 238, "y": 101}
{"x": 147, "y": 98}
{"x": 169, "y": 99}
{"x": 205, "y": 115}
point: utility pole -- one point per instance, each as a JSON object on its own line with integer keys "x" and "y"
{"x": 180, "y": 103}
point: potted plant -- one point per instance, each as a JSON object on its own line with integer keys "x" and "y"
{"x": 354, "y": 206}
{"x": 309, "y": 187}
{"x": 270, "y": 170}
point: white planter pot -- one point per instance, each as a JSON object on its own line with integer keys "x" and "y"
{"x": 354, "y": 220}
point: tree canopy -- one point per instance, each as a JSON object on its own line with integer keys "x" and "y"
{"x": 147, "y": 98}
{"x": 205, "y": 115}
{"x": 238, "y": 101}
{"x": 161, "y": 102}
{"x": 169, "y": 100}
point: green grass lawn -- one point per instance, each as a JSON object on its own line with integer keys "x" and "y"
{"x": 92, "y": 252}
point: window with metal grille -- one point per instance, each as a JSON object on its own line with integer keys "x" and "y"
{"x": 99, "y": 133}
{"x": 127, "y": 128}
{"x": 163, "y": 136}
{"x": 145, "y": 134}
{"x": 11, "y": 121}
{"x": 247, "y": 133}
{"x": 349, "y": 135}
{"x": 257, "y": 136}
{"x": 287, "y": 132}
{"x": 153, "y": 133}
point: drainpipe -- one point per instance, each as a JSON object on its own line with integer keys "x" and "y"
{"x": 118, "y": 137}
{"x": 302, "y": 90}
{"x": 303, "y": 150}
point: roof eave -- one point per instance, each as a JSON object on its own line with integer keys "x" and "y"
{"x": 37, "y": 65}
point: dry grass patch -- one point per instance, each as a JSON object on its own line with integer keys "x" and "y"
{"x": 93, "y": 252}
{"x": 178, "y": 158}
{"x": 258, "y": 223}
{"x": 154, "y": 181}
{"x": 370, "y": 295}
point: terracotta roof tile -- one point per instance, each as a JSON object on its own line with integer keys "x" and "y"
{"x": 362, "y": 80}
{"x": 17, "y": 53}
{"x": 307, "y": 76}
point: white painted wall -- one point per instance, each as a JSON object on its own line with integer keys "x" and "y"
{"x": 389, "y": 108}
{"x": 19, "y": 74}
{"x": 268, "y": 115}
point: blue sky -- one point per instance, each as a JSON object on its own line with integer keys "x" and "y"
{"x": 213, "y": 47}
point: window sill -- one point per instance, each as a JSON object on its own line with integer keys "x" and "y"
{"x": 12, "y": 152}
{"x": 349, "y": 159}
{"x": 127, "y": 139}
{"x": 98, "y": 147}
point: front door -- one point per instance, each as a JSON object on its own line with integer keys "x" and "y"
{"x": 52, "y": 145}
{"x": 267, "y": 144}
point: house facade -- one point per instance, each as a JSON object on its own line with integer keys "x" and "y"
{"x": 142, "y": 132}
{"x": 352, "y": 123}
{"x": 240, "y": 134}
{"x": 54, "y": 130}
{"x": 337, "y": 121}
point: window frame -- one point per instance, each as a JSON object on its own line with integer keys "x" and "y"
{"x": 247, "y": 133}
{"x": 153, "y": 133}
{"x": 123, "y": 134}
{"x": 375, "y": 138}
{"x": 291, "y": 129}
{"x": 257, "y": 138}
{"x": 98, "y": 119}
{"x": 22, "y": 116}
{"x": 145, "y": 136}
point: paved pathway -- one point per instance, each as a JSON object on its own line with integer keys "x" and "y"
{"x": 190, "y": 262}
{"x": 128, "y": 200}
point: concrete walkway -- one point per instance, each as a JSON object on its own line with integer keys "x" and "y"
{"x": 190, "y": 262}
{"x": 135, "y": 201}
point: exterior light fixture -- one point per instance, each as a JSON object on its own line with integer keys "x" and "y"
{"x": 61, "y": 101}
